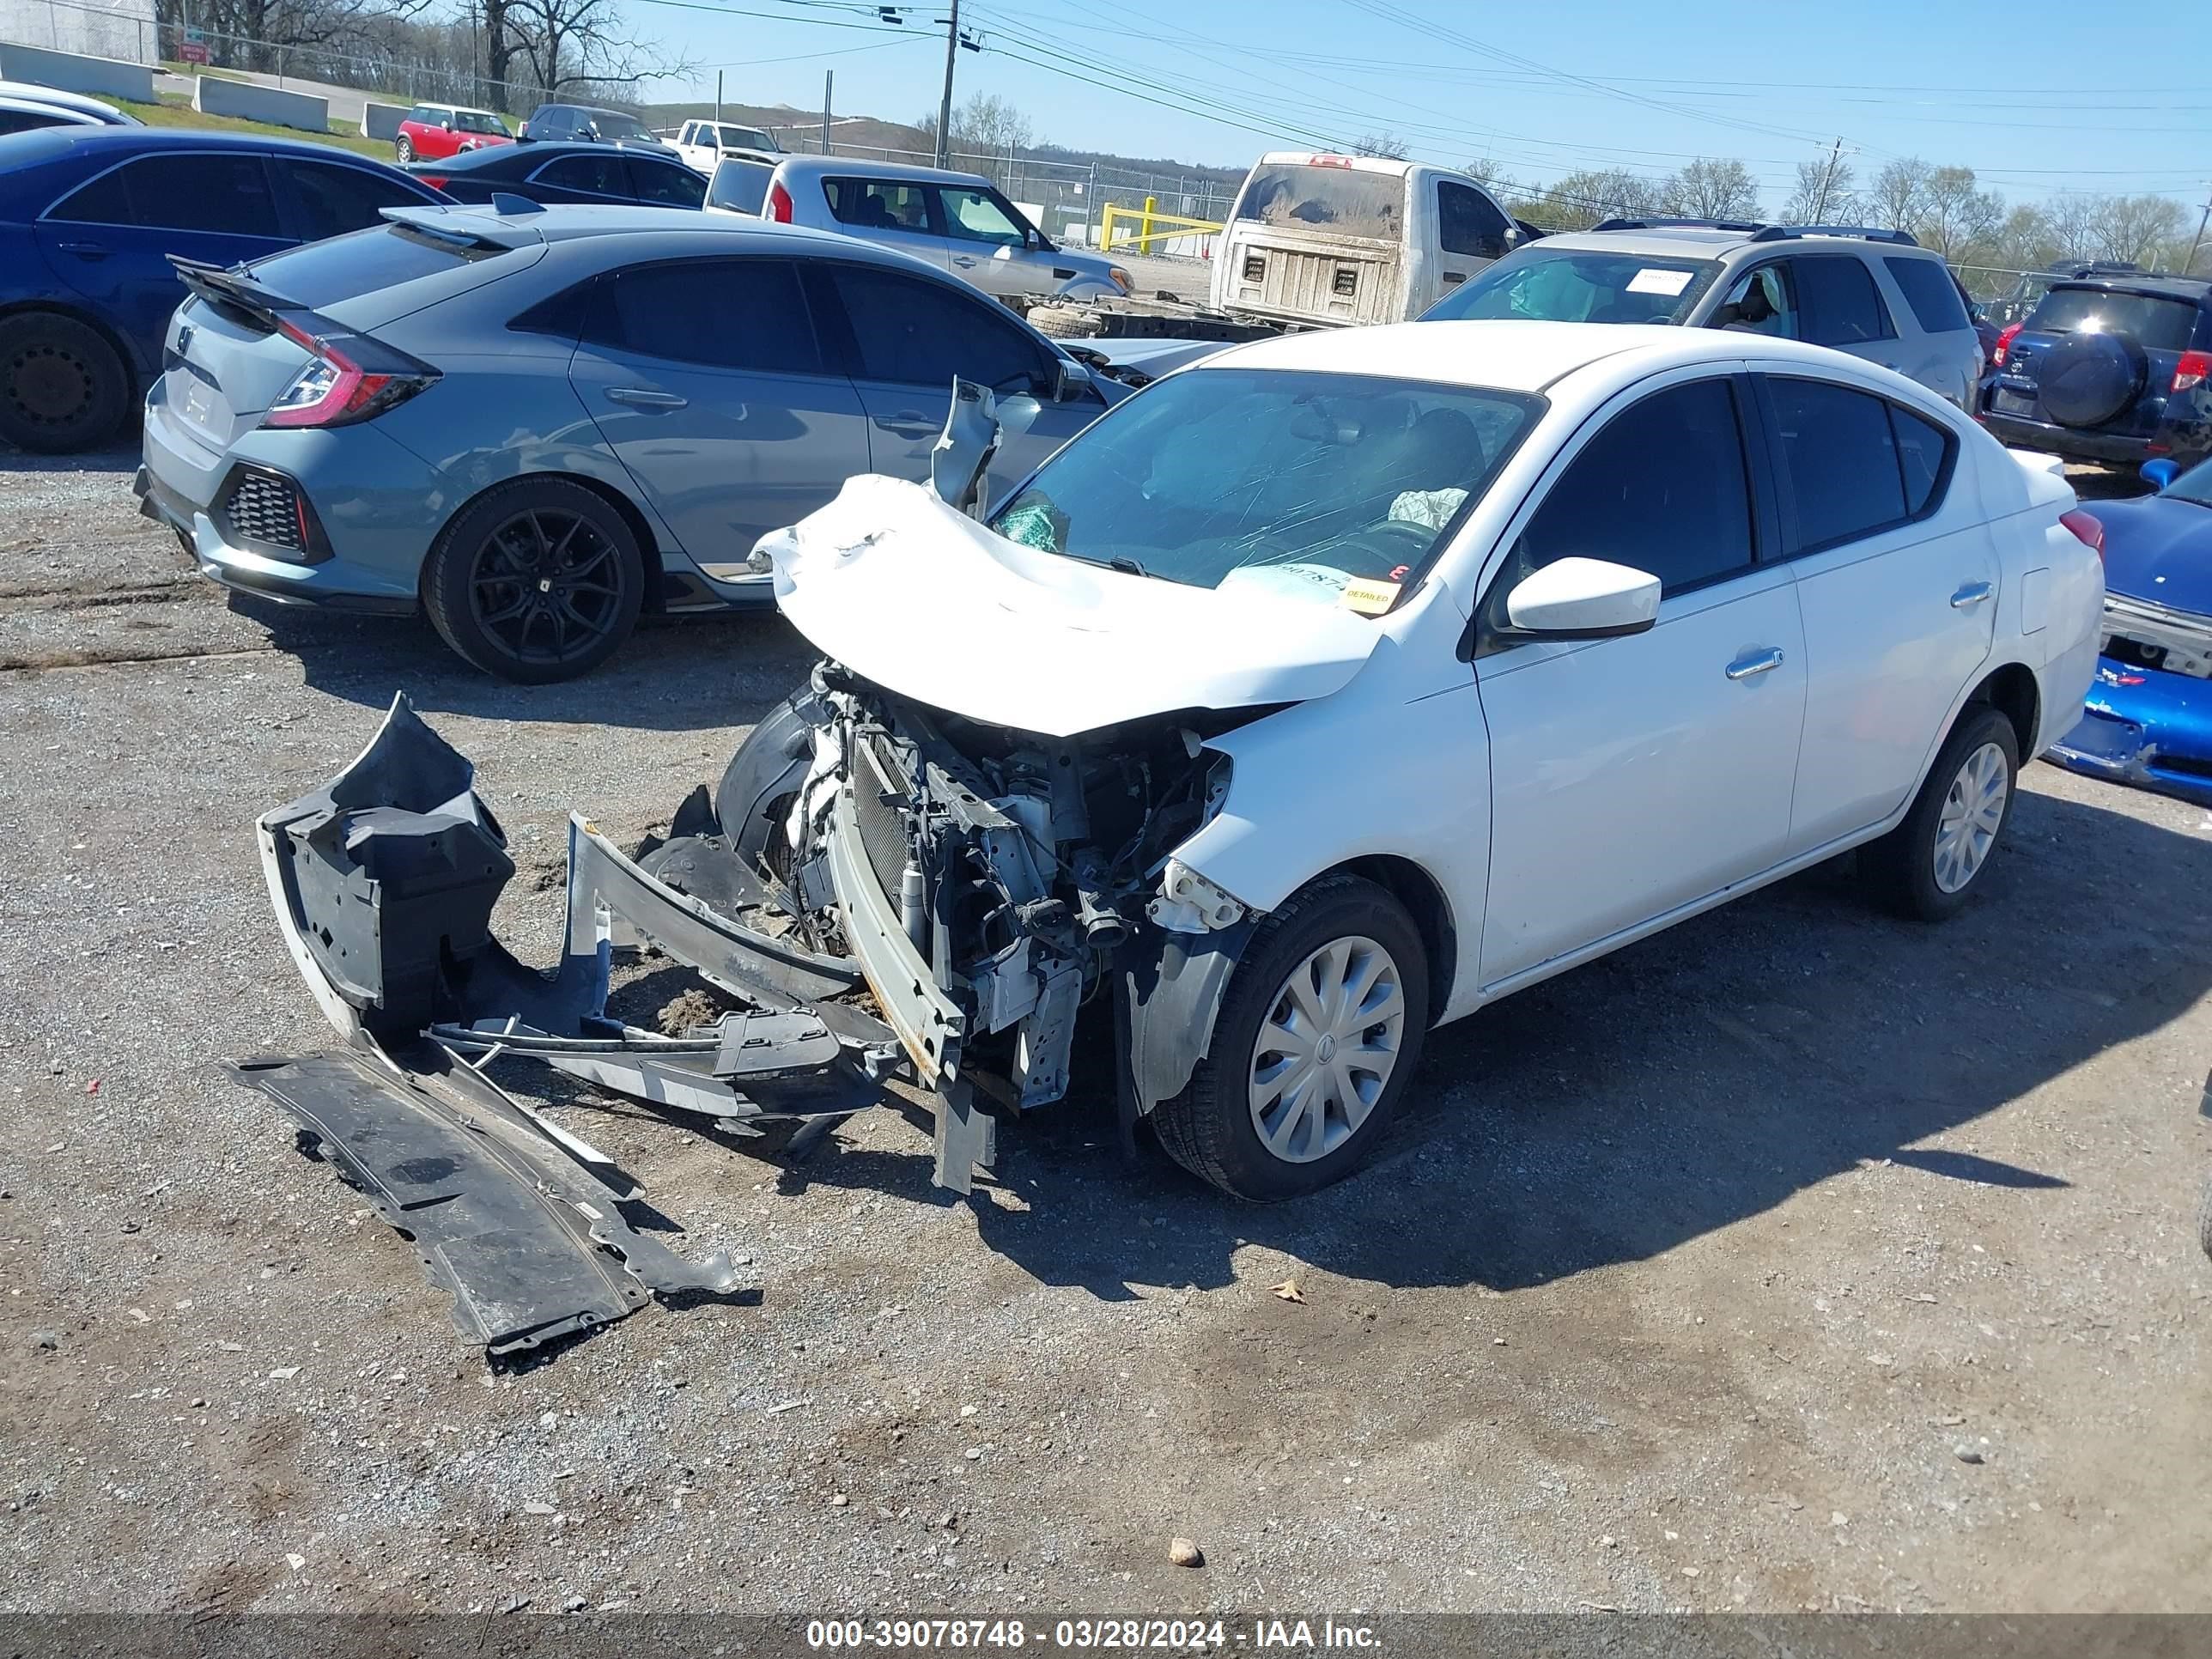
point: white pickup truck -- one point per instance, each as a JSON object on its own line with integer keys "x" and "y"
{"x": 1331, "y": 240}
{"x": 702, "y": 144}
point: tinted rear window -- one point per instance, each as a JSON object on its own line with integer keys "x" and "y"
{"x": 324, "y": 274}
{"x": 740, "y": 185}
{"x": 2157, "y": 323}
{"x": 1927, "y": 289}
{"x": 1342, "y": 201}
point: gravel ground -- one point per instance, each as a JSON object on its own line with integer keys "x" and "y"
{"x": 1797, "y": 1258}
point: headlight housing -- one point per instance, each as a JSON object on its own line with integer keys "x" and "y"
{"x": 1121, "y": 279}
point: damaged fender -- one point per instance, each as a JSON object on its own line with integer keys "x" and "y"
{"x": 1166, "y": 1008}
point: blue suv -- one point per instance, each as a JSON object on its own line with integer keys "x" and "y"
{"x": 2110, "y": 368}
{"x": 89, "y": 218}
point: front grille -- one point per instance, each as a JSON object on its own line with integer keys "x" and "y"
{"x": 879, "y": 789}
{"x": 265, "y": 507}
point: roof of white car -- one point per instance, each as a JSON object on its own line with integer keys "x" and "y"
{"x": 1511, "y": 357}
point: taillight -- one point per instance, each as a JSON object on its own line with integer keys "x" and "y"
{"x": 779, "y": 202}
{"x": 338, "y": 387}
{"x": 2190, "y": 372}
{"x": 2087, "y": 529}
{"x": 2004, "y": 345}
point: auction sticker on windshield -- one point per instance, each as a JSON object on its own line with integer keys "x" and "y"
{"x": 1656, "y": 279}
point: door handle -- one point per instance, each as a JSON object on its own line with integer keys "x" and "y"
{"x": 964, "y": 262}
{"x": 85, "y": 249}
{"x": 638, "y": 396}
{"x": 909, "y": 426}
{"x": 1755, "y": 662}
{"x": 1452, "y": 278}
{"x": 1971, "y": 595}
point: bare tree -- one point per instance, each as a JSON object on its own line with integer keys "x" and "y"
{"x": 1709, "y": 189}
{"x": 1388, "y": 145}
{"x": 1956, "y": 217}
{"x": 252, "y": 33}
{"x": 1819, "y": 196}
{"x": 2133, "y": 226}
{"x": 1899, "y": 191}
{"x": 577, "y": 42}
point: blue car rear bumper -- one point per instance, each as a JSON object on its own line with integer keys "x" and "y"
{"x": 2144, "y": 728}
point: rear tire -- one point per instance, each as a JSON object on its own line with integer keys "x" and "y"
{"x": 534, "y": 581}
{"x": 1929, "y": 864}
{"x": 1250, "y": 1088}
{"x": 63, "y": 386}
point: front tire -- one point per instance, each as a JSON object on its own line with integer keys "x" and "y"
{"x": 1928, "y": 867}
{"x": 402, "y": 150}
{"x": 63, "y": 388}
{"x": 1320, "y": 1030}
{"x": 537, "y": 580}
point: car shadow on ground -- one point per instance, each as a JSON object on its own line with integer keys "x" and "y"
{"x": 678, "y": 673}
{"x": 1667, "y": 1091}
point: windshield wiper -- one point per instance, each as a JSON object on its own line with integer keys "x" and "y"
{"x": 1120, "y": 561}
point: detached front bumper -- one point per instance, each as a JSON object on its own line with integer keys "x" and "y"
{"x": 2145, "y": 727}
{"x": 383, "y": 883}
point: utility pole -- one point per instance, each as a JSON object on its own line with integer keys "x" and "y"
{"x": 944, "y": 101}
{"x": 2198, "y": 240}
{"x": 1820, "y": 207}
{"x": 718, "y": 103}
{"x": 829, "y": 79}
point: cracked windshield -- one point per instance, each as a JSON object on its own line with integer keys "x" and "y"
{"x": 1331, "y": 487}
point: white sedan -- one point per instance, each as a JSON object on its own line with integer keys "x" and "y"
{"x": 1322, "y": 692}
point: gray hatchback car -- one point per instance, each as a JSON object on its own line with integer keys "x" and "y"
{"x": 532, "y": 425}
{"x": 1873, "y": 293}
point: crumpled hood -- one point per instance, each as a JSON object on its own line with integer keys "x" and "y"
{"x": 893, "y": 583}
{"x": 2159, "y": 550}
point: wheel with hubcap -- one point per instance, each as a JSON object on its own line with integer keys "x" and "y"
{"x": 535, "y": 582}
{"x": 1321, "y": 1028}
{"x": 1929, "y": 864}
{"x": 61, "y": 386}
{"x": 402, "y": 150}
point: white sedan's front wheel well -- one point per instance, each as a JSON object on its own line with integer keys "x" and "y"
{"x": 1423, "y": 898}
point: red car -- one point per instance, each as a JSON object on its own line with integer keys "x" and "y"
{"x": 432, "y": 132}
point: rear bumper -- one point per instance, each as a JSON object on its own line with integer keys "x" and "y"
{"x": 182, "y": 482}
{"x": 2144, "y": 728}
{"x": 2188, "y": 446}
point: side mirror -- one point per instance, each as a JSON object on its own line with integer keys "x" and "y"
{"x": 1584, "y": 599}
{"x": 1071, "y": 381}
{"x": 960, "y": 465}
{"x": 2160, "y": 473}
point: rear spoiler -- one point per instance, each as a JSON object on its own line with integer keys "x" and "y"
{"x": 235, "y": 292}
{"x": 489, "y": 229}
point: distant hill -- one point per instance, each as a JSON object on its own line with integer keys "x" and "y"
{"x": 795, "y": 129}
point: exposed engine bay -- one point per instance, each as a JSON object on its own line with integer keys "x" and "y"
{"x": 985, "y": 880}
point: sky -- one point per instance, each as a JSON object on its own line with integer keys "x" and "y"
{"x": 1540, "y": 90}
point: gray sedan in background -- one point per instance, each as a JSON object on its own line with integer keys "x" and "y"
{"x": 532, "y": 425}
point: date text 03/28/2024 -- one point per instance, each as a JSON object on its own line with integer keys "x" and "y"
{"x": 1199, "y": 1635}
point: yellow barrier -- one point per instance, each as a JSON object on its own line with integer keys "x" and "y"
{"x": 1150, "y": 222}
